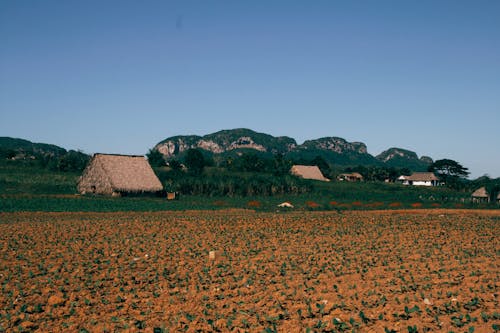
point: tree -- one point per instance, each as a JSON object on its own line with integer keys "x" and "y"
{"x": 281, "y": 165}
{"x": 322, "y": 165}
{"x": 252, "y": 163}
{"x": 175, "y": 165}
{"x": 71, "y": 161}
{"x": 448, "y": 168}
{"x": 195, "y": 161}
{"x": 7, "y": 153}
{"x": 450, "y": 171}
{"x": 155, "y": 158}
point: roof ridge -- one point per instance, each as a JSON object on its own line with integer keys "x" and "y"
{"x": 105, "y": 154}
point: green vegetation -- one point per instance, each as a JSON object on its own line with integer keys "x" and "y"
{"x": 403, "y": 158}
{"x": 195, "y": 162}
{"x": 450, "y": 172}
{"x": 29, "y": 178}
{"x": 334, "y": 150}
{"x": 38, "y": 177}
{"x": 225, "y": 137}
{"x": 43, "y": 155}
{"x": 27, "y": 187}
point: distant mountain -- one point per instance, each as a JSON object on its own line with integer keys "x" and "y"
{"x": 42, "y": 154}
{"x": 402, "y": 158}
{"x": 334, "y": 150}
{"x": 334, "y": 144}
{"x": 21, "y": 146}
{"x": 225, "y": 141}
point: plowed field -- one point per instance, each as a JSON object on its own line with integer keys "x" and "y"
{"x": 385, "y": 271}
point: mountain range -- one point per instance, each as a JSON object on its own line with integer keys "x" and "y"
{"x": 14, "y": 146}
{"x": 334, "y": 150}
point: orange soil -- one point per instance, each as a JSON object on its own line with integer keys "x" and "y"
{"x": 435, "y": 269}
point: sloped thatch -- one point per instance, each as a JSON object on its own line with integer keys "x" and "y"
{"x": 308, "y": 172}
{"x": 351, "y": 177}
{"x": 480, "y": 193}
{"x": 116, "y": 174}
{"x": 422, "y": 177}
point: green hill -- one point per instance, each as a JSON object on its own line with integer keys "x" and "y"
{"x": 402, "y": 158}
{"x": 15, "y": 147}
{"x": 334, "y": 150}
{"x": 43, "y": 155}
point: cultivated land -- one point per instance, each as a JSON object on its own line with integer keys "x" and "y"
{"x": 375, "y": 271}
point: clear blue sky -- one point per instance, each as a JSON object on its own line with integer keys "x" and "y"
{"x": 119, "y": 76}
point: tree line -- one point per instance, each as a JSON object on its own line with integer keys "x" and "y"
{"x": 196, "y": 161}
{"x": 69, "y": 161}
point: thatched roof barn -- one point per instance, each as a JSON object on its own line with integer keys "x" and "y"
{"x": 308, "y": 172}
{"x": 480, "y": 195}
{"x": 118, "y": 175}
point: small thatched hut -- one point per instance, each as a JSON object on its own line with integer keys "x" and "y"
{"x": 480, "y": 195}
{"x": 350, "y": 177}
{"x": 118, "y": 175}
{"x": 308, "y": 172}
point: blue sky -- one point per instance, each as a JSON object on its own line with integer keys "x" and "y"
{"x": 119, "y": 76}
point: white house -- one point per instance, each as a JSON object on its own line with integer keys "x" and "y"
{"x": 420, "y": 179}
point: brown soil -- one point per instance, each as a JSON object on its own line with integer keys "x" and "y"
{"x": 429, "y": 270}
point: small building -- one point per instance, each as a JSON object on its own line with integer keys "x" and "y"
{"x": 308, "y": 172}
{"x": 480, "y": 195}
{"x": 498, "y": 198}
{"x": 118, "y": 175}
{"x": 350, "y": 177}
{"x": 420, "y": 179}
{"x": 172, "y": 195}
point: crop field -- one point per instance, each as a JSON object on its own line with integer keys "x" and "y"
{"x": 239, "y": 270}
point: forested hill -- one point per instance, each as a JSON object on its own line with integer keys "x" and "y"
{"x": 42, "y": 154}
{"x": 333, "y": 149}
{"x": 15, "y": 146}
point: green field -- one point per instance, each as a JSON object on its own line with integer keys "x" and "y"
{"x": 25, "y": 187}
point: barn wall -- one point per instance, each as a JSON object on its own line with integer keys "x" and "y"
{"x": 422, "y": 183}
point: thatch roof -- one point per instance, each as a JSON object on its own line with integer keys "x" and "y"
{"x": 480, "y": 193}
{"x": 308, "y": 172}
{"x": 352, "y": 175}
{"x": 119, "y": 173}
{"x": 422, "y": 177}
